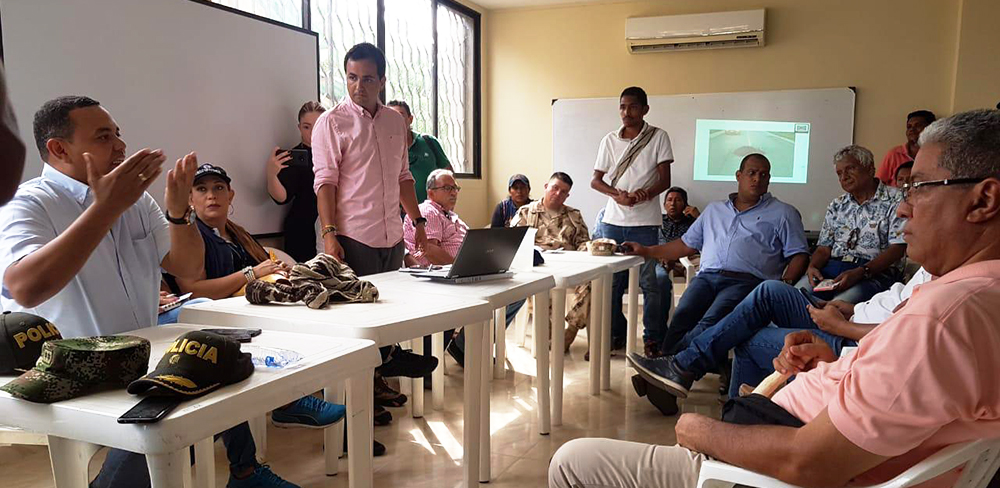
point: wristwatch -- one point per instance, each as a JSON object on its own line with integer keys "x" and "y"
{"x": 186, "y": 219}
{"x": 868, "y": 271}
{"x": 420, "y": 220}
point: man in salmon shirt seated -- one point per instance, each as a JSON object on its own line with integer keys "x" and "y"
{"x": 922, "y": 380}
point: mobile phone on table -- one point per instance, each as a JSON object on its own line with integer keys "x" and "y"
{"x": 816, "y": 302}
{"x": 239, "y": 335}
{"x": 150, "y": 409}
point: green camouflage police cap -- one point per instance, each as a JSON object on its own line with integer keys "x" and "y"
{"x": 70, "y": 368}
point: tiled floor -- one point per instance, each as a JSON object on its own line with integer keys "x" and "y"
{"x": 427, "y": 452}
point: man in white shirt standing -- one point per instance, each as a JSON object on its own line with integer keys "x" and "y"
{"x": 632, "y": 169}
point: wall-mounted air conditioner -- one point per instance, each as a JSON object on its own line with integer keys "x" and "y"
{"x": 696, "y": 31}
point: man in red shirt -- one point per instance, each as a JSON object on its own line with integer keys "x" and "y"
{"x": 915, "y": 124}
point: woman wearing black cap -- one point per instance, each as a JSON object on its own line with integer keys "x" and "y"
{"x": 519, "y": 189}
{"x": 234, "y": 258}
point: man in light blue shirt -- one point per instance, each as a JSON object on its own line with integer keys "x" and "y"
{"x": 748, "y": 238}
{"x": 82, "y": 245}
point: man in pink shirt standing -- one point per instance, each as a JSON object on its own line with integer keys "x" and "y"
{"x": 915, "y": 124}
{"x": 921, "y": 380}
{"x": 362, "y": 177}
{"x": 363, "y": 172}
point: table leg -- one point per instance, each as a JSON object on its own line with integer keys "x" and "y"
{"x": 558, "y": 351}
{"x": 418, "y": 383}
{"x": 486, "y": 372}
{"x": 631, "y": 341}
{"x": 186, "y": 477}
{"x": 333, "y": 436}
{"x": 541, "y": 338}
{"x": 472, "y": 406}
{"x": 360, "y": 409}
{"x": 204, "y": 458}
{"x": 500, "y": 338}
{"x": 258, "y": 430}
{"x": 594, "y": 335}
{"x": 606, "y": 336}
{"x": 437, "y": 383}
{"x": 165, "y": 469}
{"x": 70, "y": 459}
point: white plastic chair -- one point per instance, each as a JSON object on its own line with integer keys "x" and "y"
{"x": 978, "y": 459}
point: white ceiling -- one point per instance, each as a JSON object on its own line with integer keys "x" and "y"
{"x": 501, "y": 4}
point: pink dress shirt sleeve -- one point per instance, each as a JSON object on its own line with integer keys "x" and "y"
{"x": 326, "y": 152}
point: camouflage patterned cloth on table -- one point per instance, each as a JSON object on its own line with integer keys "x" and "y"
{"x": 69, "y": 368}
{"x": 318, "y": 282}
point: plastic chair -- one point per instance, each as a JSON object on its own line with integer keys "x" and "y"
{"x": 978, "y": 459}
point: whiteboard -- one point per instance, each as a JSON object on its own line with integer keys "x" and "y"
{"x": 175, "y": 74}
{"x": 578, "y": 125}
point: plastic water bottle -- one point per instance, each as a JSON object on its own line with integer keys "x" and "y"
{"x": 271, "y": 357}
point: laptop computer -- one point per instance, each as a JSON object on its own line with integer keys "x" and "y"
{"x": 485, "y": 255}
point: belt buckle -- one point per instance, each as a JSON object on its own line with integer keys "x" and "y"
{"x": 848, "y": 259}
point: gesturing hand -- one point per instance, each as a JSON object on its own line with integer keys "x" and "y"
{"x": 179, "y": 183}
{"x": 123, "y": 185}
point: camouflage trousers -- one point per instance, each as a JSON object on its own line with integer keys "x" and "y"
{"x": 578, "y": 309}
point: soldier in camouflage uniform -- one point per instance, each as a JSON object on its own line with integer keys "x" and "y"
{"x": 560, "y": 227}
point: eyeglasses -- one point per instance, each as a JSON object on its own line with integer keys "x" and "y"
{"x": 908, "y": 188}
{"x": 447, "y": 188}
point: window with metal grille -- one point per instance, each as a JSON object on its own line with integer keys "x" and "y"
{"x": 432, "y": 50}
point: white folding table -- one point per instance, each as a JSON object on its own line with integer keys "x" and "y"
{"x": 568, "y": 275}
{"x": 396, "y": 316}
{"x": 600, "y": 339}
{"x": 79, "y": 425}
{"x": 499, "y": 294}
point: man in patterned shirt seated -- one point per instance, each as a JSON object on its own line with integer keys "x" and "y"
{"x": 445, "y": 231}
{"x": 559, "y": 227}
{"x": 677, "y": 219}
{"x": 860, "y": 244}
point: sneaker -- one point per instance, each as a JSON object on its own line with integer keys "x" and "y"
{"x": 663, "y": 401}
{"x": 663, "y": 373}
{"x": 308, "y": 412}
{"x": 385, "y": 395}
{"x": 262, "y": 477}
{"x": 404, "y": 362}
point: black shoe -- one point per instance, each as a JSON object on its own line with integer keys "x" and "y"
{"x": 456, "y": 353}
{"x": 663, "y": 373}
{"x": 663, "y": 401}
{"x": 404, "y": 362}
{"x": 385, "y": 396}
{"x": 381, "y": 416}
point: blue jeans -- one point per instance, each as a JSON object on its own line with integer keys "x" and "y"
{"x": 653, "y": 317}
{"x": 666, "y": 286}
{"x": 706, "y": 301}
{"x": 862, "y": 291}
{"x": 128, "y": 469}
{"x": 753, "y": 361}
{"x": 171, "y": 316}
{"x": 771, "y": 305}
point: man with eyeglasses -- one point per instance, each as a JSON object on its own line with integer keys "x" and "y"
{"x": 860, "y": 245}
{"x": 445, "y": 230}
{"x": 919, "y": 382}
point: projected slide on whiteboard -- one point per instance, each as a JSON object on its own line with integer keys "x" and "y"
{"x": 721, "y": 144}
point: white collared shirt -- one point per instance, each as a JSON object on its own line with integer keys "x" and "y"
{"x": 641, "y": 174}
{"x": 881, "y": 306}
{"x": 117, "y": 290}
